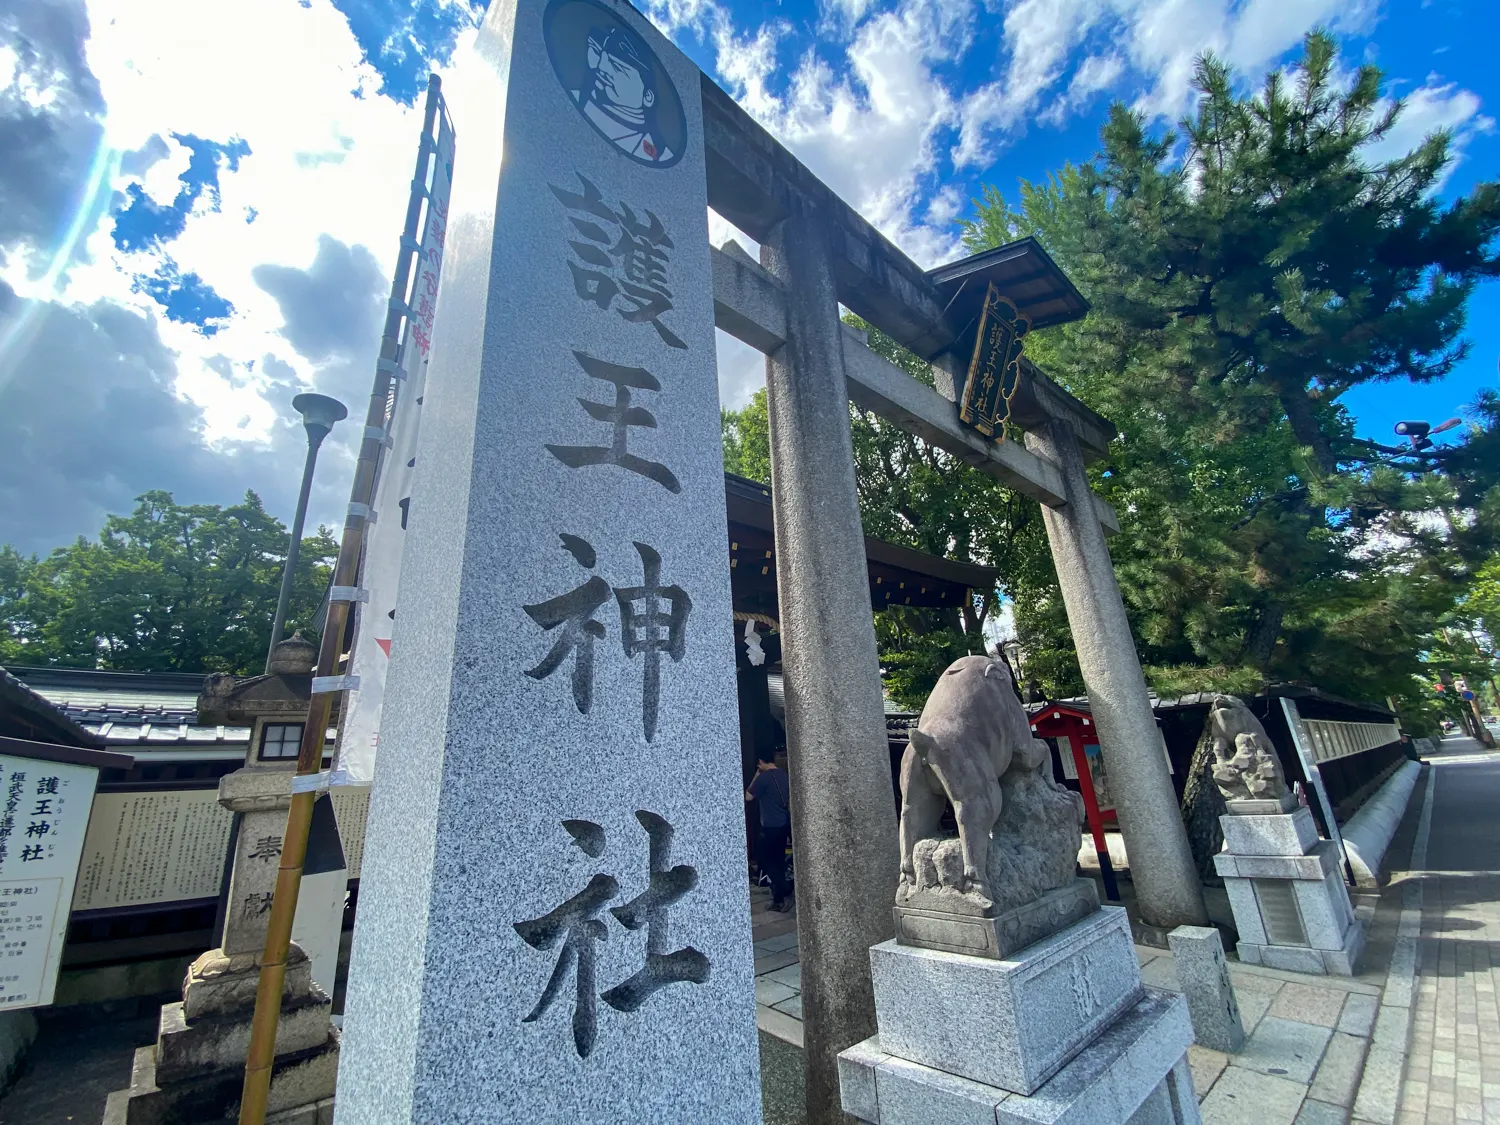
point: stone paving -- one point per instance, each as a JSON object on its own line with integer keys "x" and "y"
{"x": 1306, "y": 1037}
{"x": 1452, "y": 1068}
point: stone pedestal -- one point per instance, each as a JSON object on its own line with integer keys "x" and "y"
{"x": 1062, "y": 1032}
{"x": 196, "y": 1069}
{"x": 1290, "y": 904}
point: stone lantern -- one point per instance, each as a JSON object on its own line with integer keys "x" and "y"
{"x": 195, "y": 1070}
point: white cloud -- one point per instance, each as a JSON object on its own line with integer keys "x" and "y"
{"x": 328, "y": 160}
{"x": 866, "y": 127}
{"x": 1059, "y": 54}
{"x": 1434, "y": 106}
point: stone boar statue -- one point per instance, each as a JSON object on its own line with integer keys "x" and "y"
{"x": 971, "y": 731}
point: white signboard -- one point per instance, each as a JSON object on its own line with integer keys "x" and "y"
{"x": 151, "y": 847}
{"x": 165, "y": 846}
{"x": 44, "y": 812}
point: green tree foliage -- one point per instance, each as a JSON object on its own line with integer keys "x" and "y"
{"x": 915, "y": 495}
{"x": 1241, "y": 281}
{"x": 169, "y": 588}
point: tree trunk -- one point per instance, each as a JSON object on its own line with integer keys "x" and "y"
{"x": 1305, "y": 426}
{"x": 1202, "y": 805}
{"x": 1260, "y": 641}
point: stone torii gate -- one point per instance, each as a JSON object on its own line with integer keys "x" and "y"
{"x": 587, "y": 136}
{"x": 817, "y": 252}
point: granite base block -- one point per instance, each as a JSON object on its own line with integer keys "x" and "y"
{"x": 184, "y": 1050}
{"x": 1008, "y": 1023}
{"x": 999, "y": 935}
{"x": 1292, "y": 833}
{"x": 297, "y": 1080}
{"x": 1322, "y": 859}
{"x": 1262, "y": 806}
{"x": 1340, "y": 962}
{"x": 1134, "y": 1073}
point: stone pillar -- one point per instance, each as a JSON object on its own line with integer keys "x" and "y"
{"x": 554, "y": 917}
{"x": 1161, "y": 863}
{"x": 843, "y": 805}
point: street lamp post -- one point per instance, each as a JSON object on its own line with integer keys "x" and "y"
{"x": 319, "y": 413}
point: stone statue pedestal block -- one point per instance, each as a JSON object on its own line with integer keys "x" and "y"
{"x": 1134, "y": 1072}
{"x": 1262, "y": 806}
{"x": 1290, "y": 904}
{"x": 994, "y": 934}
{"x": 1006, "y": 1023}
{"x": 196, "y": 1069}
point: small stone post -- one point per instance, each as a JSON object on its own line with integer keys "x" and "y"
{"x": 843, "y": 804}
{"x": 1161, "y": 863}
{"x": 1198, "y": 952}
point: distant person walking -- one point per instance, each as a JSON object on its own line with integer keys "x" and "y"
{"x": 772, "y": 790}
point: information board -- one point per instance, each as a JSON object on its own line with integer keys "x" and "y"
{"x": 44, "y": 813}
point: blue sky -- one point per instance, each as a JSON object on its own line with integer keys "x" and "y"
{"x": 201, "y": 197}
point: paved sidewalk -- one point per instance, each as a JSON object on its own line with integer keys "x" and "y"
{"x": 1453, "y": 1067}
{"x": 1306, "y": 1037}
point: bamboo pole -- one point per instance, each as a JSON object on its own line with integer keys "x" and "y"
{"x": 345, "y": 573}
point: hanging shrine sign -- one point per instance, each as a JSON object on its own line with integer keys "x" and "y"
{"x": 995, "y": 369}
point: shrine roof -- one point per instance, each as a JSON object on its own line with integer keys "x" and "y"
{"x": 898, "y": 575}
{"x": 1022, "y": 272}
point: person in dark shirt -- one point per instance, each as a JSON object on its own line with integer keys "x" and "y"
{"x": 773, "y": 791}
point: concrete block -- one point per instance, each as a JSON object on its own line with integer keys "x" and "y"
{"x": 1292, "y": 833}
{"x": 1010, "y": 1023}
{"x": 1309, "y": 1003}
{"x": 1198, "y": 953}
{"x": 1245, "y": 1097}
{"x": 1002, "y": 935}
{"x": 1156, "y": 1109}
{"x": 1309, "y": 866}
{"x": 1343, "y": 962}
{"x": 1380, "y": 1085}
{"x": 1285, "y": 1049}
{"x": 1337, "y": 1078}
{"x": 1113, "y": 1077}
{"x": 1262, "y": 806}
{"x": 219, "y": 984}
{"x": 1184, "y": 1096}
{"x": 1249, "y": 952}
{"x": 857, "y": 1091}
{"x": 1358, "y": 1016}
{"x": 1246, "y": 910}
{"x": 1314, "y": 1112}
{"x": 911, "y": 1094}
{"x": 1139, "y": 1061}
{"x": 1292, "y": 959}
{"x": 1325, "y": 912}
{"x": 184, "y": 1050}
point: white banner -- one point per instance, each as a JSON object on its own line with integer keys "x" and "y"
{"x": 385, "y": 537}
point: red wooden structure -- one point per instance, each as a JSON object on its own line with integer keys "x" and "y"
{"x": 1074, "y": 729}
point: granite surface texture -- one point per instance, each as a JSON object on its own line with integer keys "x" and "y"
{"x": 566, "y": 798}
{"x": 843, "y": 833}
{"x": 1134, "y": 1072}
{"x": 1167, "y": 885}
{"x": 1000, "y": 934}
{"x": 1292, "y": 833}
{"x": 1198, "y": 954}
{"x": 1006, "y": 1023}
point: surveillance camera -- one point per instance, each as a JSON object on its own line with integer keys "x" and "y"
{"x": 1413, "y": 429}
